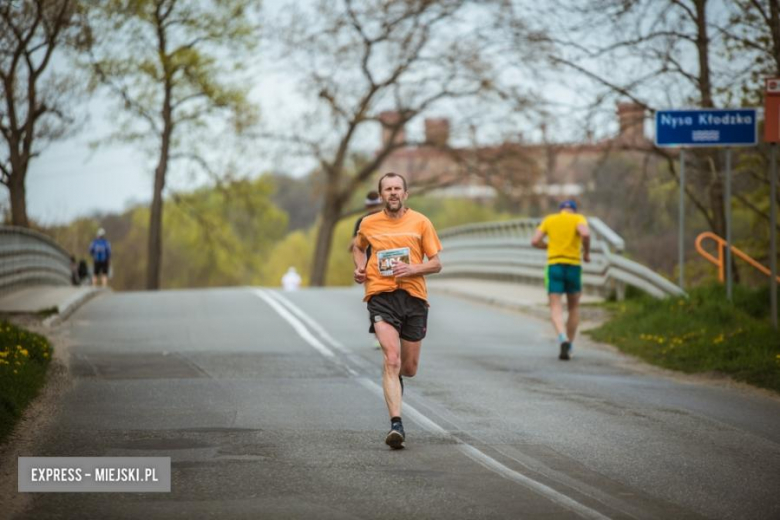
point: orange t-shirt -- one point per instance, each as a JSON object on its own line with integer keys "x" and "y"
{"x": 405, "y": 239}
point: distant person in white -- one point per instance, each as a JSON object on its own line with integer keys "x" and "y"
{"x": 291, "y": 281}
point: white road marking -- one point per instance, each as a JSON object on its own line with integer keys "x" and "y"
{"x": 299, "y": 327}
{"x": 316, "y": 327}
{"x": 425, "y": 422}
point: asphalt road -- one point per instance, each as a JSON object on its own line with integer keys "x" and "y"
{"x": 269, "y": 405}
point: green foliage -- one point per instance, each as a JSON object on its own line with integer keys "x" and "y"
{"x": 341, "y": 266}
{"x": 24, "y": 359}
{"x": 143, "y": 50}
{"x": 297, "y": 250}
{"x": 292, "y": 251}
{"x": 222, "y": 236}
{"x": 704, "y": 333}
{"x": 213, "y": 237}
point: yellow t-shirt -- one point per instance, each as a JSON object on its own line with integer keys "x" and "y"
{"x": 406, "y": 239}
{"x": 563, "y": 241}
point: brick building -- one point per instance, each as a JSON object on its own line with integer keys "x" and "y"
{"x": 536, "y": 176}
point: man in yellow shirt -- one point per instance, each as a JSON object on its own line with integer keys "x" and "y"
{"x": 395, "y": 289}
{"x": 568, "y": 236}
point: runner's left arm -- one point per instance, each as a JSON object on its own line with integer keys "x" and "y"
{"x": 584, "y": 233}
{"x": 402, "y": 270}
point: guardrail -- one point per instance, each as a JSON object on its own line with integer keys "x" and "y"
{"x": 503, "y": 251}
{"x": 28, "y": 257}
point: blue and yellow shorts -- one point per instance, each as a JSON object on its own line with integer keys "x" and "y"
{"x": 563, "y": 278}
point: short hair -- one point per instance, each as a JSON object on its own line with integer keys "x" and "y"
{"x": 391, "y": 174}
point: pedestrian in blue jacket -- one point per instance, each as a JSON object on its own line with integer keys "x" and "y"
{"x": 100, "y": 250}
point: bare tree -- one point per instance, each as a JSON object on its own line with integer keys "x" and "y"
{"x": 753, "y": 31}
{"x": 170, "y": 63}
{"x": 35, "y": 100}
{"x": 361, "y": 59}
{"x": 657, "y": 54}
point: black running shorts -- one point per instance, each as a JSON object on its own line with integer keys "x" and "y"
{"x": 407, "y": 314}
{"x": 100, "y": 268}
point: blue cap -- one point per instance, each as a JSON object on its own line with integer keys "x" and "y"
{"x": 568, "y": 204}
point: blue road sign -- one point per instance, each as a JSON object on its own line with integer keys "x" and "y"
{"x": 710, "y": 127}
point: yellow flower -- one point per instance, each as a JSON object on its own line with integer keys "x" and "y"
{"x": 4, "y": 354}
{"x": 24, "y": 352}
{"x": 15, "y": 372}
{"x": 718, "y": 339}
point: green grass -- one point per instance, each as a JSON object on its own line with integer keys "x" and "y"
{"x": 703, "y": 333}
{"x": 24, "y": 359}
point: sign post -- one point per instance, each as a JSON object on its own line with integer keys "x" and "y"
{"x": 707, "y": 128}
{"x": 772, "y": 135}
{"x": 681, "y": 243}
{"x": 727, "y": 207}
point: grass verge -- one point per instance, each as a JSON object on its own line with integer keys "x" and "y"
{"x": 704, "y": 333}
{"x": 24, "y": 359}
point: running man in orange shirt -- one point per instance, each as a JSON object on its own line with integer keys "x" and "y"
{"x": 395, "y": 288}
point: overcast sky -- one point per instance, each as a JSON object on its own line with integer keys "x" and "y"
{"x": 71, "y": 179}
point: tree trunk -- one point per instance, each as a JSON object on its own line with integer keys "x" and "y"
{"x": 703, "y": 51}
{"x": 330, "y": 217}
{"x": 18, "y": 196}
{"x": 154, "y": 250}
{"x": 716, "y": 192}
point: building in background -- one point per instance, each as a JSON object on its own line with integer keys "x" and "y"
{"x": 534, "y": 176}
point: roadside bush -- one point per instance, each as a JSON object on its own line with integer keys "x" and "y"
{"x": 24, "y": 359}
{"x": 703, "y": 333}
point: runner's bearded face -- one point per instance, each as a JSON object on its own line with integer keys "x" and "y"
{"x": 393, "y": 194}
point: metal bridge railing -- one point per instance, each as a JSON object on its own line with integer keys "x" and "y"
{"x": 28, "y": 257}
{"x": 503, "y": 251}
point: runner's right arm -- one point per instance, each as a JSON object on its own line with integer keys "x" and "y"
{"x": 359, "y": 257}
{"x": 538, "y": 240}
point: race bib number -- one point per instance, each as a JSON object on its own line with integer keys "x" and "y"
{"x": 388, "y": 257}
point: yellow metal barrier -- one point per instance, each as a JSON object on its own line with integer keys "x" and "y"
{"x": 720, "y": 260}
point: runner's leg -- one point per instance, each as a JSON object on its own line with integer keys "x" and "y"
{"x": 556, "y": 313}
{"x": 391, "y": 348}
{"x": 573, "y": 304}
{"x": 410, "y": 357}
